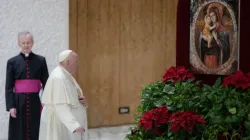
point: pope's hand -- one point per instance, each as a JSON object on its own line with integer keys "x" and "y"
{"x": 13, "y": 112}
{"x": 80, "y": 130}
{"x": 83, "y": 100}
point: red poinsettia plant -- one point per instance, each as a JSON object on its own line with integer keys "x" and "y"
{"x": 238, "y": 80}
{"x": 185, "y": 120}
{"x": 154, "y": 119}
{"x": 177, "y": 73}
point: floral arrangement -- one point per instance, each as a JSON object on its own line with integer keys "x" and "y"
{"x": 154, "y": 119}
{"x": 185, "y": 120}
{"x": 238, "y": 80}
{"x": 174, "y": 74}
{"x": 178, "y": 108}
{"x": 158, "y": 119}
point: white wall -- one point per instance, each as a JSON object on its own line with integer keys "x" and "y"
{"x": 47, "y": 20}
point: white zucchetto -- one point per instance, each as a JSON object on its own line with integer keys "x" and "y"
{"x": 63, "y": 55}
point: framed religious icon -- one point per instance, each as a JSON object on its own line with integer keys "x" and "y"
{"x": 214, "y": 36}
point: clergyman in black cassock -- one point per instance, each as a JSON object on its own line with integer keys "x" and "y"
{"x": 26, "y": 74}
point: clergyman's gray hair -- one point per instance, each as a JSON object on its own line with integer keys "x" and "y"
{"x": 25, "y": 33}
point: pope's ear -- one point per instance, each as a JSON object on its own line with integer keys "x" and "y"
{"x": 67, "y": 62}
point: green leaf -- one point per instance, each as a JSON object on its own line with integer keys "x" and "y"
{"x": 159, "y": 103}
{"x": 169, "y": 102}
{"x": 171, "y": 108}
{"x": 228, "y": 120}
{"x": 241, "y": 113}
{"x": 227, "y": 102}
{"x": 179, "y": 106}
{"x": 210, "y": 96}
{"x": 191, "y": 104}
{"x": 207, "y": 86}
{"x": 247, "y": 125}
{"x": 168, "y": 89}
{"x": 139, "y": 108}
{"x": 217, "y": 107}
{"x": 178, "y": 83}
{"x": 234, "y": 119}
{"x": 190, "y": 80}
{"x": 217, "y": 82}
{"x": 197, "y": 82}
{"x": 232, "y": 110}
{"x": 169, "y": 133}
{"x": 248, "y": 116}
{"x": 217, "y": 120}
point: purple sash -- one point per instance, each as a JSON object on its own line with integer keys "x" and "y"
{"x": 27, "y": 86}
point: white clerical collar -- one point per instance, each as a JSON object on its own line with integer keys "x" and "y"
{"x": 26, "y": 54}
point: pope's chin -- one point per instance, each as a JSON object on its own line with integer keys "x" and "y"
{"x": 74, "y": 72}
{"x": 26, "y": 50}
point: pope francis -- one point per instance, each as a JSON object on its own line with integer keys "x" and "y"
{"x": 64, "y": 114}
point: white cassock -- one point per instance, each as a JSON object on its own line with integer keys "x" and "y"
{"x": 62, "y": 112}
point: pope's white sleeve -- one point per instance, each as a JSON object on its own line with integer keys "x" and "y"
{"x": 64, "y": 113}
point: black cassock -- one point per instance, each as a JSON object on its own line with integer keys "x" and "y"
{"x": 23, "y": 82}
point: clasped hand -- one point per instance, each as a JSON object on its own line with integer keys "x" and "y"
{"x": 80, "y": 130}
{"x": 83, "y": 100}
{"x": 13, "y": 112}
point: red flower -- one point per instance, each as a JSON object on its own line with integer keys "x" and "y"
{"x": 238, "y": 80}
{"x": 145, "y": 121}
{"x": 176, "y": 73}
{"x": 154, "y": 118}
{"x": 185, "y": 120}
